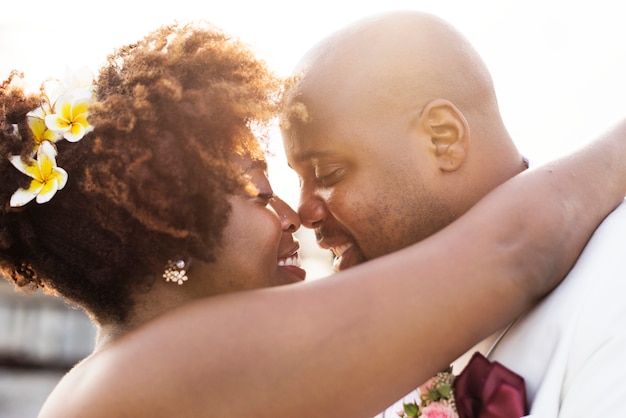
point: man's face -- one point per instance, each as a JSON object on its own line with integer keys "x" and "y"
{"x": 368, "y": 187}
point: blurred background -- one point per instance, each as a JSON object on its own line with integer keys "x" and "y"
{"x": 558, "y": 67}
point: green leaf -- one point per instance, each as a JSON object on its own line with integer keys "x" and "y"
{"x": 445, "y": 390}
{"x": 434, "y": 395}
{"x": 410, "y": 409}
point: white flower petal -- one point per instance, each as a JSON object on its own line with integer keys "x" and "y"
{"x": 84, "y": 93}
{"x": 29, "y": 168}
{"x": 79, "y": 78}
{"x": 76, "y": 133}
{"x": 47, "y": 150}
{"x": 37, "y": 113}
{"x": 61, "y": 177}
{"x": 57, "y": 123}
{"x": 48, "y": 192}
{"x": 22, "y": 197}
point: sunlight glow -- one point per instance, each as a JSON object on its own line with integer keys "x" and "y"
{"x": 558, "y": 65}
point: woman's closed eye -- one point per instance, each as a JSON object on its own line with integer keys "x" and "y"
{"x": 264, "y": 199}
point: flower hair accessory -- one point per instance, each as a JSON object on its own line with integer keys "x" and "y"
{"x": 63, "y": 118}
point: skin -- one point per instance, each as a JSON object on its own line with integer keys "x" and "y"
{"x": 258, "y": 240}
{"x": 259, "y": 243}
{"x": 402, "y": 135}
{"x": 299, "y": 350}
{"x": 318, "y": 348}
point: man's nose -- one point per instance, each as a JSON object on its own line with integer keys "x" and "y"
{"x": 312, "y": 209}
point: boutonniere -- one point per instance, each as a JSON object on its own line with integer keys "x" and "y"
{"x": 436, "y": 398}
{"x": 484, "y": 389}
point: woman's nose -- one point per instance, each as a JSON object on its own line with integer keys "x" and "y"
{"x": 289, "y": 219}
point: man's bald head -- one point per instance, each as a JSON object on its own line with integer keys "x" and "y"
{"x": 398, "y": 59}
{"x": 393, "y": 127}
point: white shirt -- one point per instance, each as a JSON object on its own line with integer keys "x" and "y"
{"x": 571, "y": 348}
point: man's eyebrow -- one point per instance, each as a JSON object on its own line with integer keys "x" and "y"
{"x": 313, "y": 154}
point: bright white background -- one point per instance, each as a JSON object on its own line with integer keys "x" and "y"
{"x": 558, "y": 65}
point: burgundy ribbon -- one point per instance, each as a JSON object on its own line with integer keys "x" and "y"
{"x": 489, "y": 390}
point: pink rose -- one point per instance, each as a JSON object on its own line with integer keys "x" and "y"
{"x": 438, "y": 410}
{"x": 425, "y": 387}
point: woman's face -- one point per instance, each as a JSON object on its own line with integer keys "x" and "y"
{"x": 258, "y": 247}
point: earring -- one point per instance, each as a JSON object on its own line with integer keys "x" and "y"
{"x": 175, "y": 271}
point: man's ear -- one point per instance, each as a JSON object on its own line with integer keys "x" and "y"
{"x": 449, "y": 134}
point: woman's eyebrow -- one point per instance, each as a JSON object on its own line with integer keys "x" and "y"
{"x": 257, "y": 164}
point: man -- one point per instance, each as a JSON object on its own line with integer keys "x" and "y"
{"x": 394, "y": 129}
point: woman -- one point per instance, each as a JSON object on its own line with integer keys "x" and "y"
{"x": 159, "y": 199}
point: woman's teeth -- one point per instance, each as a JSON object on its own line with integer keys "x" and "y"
{"x": 294, "y": 260}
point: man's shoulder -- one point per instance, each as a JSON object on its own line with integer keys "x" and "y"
{"x": 557, "y": 339}
{"x": 595, "y": 279}
{"x": 609, "y": 235}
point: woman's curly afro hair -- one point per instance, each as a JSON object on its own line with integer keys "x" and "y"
{"x": 151, "y": 182}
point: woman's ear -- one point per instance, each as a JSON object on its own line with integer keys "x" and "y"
{"x": 448, "y": 132}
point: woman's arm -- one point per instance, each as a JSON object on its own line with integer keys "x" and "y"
{"x": 349, "y": 345}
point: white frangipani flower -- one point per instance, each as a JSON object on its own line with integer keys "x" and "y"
{"x": 47, "y": 178}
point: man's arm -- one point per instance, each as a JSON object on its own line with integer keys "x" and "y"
{"x": 327, "y": 348}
